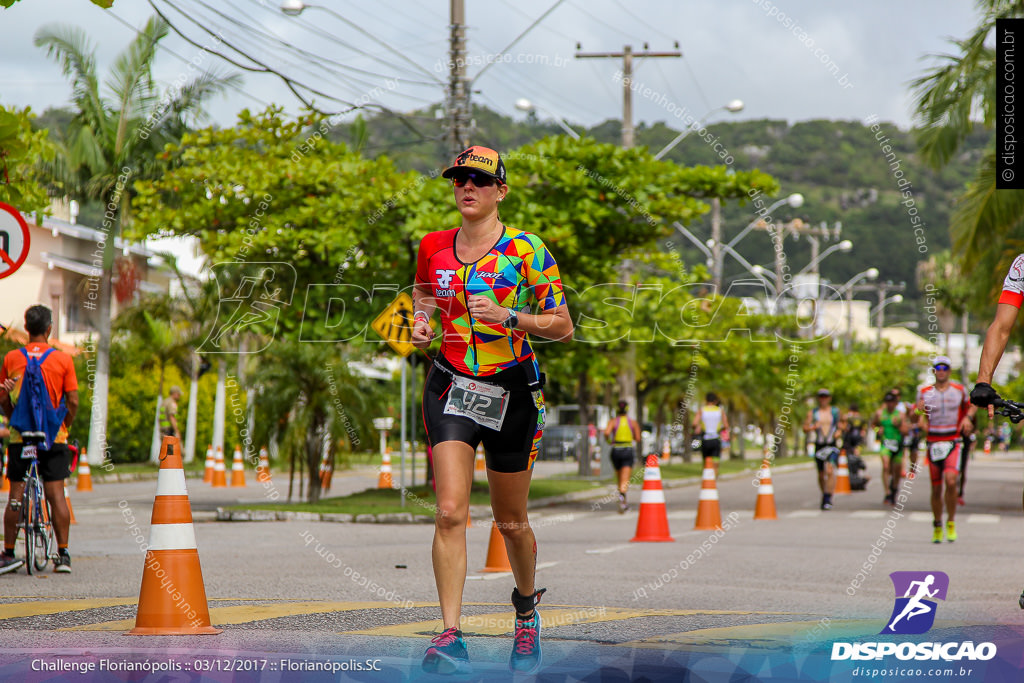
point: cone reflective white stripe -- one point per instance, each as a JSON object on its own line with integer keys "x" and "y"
{"x": 652, "y": 521}
{"x": 708, "y": 494}
{"x": 172, "y": 537}
{"x": 652, "y": 496}
{"x": 171, "y": 483}
{"x": 764, "y": 489}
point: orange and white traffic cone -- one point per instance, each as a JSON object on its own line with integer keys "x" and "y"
{"x": 263, "y": 471}
{"x": 220, "y": 477}
{"x": 481, "y": 462}
{"x": 84, "y": 474}
{"x": 709, "y": 514}
{"x": 666, "y": 451}
{"x": 988, "y": 446}
{"x": 652, "y": 521}
{"x": 71, "y": 510}
{"x": 497, "y": 554}
{"x": 210, "y": 464}
{"x": 764, "y": 508}
{"x": 843, "y": 475}
{"x": 238, "y": 468}
{"x": 172, "y": 560}
{"x": 384, "y": 481}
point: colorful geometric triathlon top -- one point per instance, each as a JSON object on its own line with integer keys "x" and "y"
{"x": 1013, "y": 285}
{"x": 517, "y": 268}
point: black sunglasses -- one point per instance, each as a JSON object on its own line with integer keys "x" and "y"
{"x": 479, "y": 179}
{"x": 942, "y": 366}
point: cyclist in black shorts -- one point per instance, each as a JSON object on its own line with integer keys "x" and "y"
{"x": 485, "y": 387}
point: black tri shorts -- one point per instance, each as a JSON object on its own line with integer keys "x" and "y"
{"x": 514, "y": 447}
{"x": 54, "y": 464}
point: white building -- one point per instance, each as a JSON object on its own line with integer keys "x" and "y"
{"x": 62, "y": 267}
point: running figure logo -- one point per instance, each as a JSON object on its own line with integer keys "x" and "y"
{"x": 914, "y": 611}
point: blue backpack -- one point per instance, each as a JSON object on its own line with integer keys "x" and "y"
{"x": 34, "y": 411}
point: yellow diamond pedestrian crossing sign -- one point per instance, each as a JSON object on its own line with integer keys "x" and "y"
{"x": 394, "y": 324}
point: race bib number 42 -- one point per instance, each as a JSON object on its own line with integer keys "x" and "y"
{"x": 481, "y": 402}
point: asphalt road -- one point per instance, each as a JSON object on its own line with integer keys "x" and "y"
{"x": 288, "y": 589}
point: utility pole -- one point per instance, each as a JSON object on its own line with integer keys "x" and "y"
{"x": 627, "y": 378}
{"x": 458, "y": 86}
{"x": 627, "y": 56}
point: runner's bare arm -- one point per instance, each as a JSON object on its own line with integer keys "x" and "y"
{"x": 995, "y": 341}
{"x": 71, "y": 401}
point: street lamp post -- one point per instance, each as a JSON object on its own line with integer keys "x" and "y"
{"x": 883, "y": 288}
{"x": 844, "y": 246}
{"x": 523, "y": 104}
{"x": 733, "y": 107}
{"x": 851, "y": 286}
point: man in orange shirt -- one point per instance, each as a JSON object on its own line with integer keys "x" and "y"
{"x": 54, "y": 464}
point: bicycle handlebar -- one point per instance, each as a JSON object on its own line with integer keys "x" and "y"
{"x": 1010, "y": 409}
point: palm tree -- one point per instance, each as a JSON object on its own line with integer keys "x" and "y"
{"x": 306, "y": 391}
{"x": 950, "y": 99}
{"x": 116, "y": 137}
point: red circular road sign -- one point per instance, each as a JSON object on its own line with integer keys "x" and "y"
{"x": 14, "y": 240}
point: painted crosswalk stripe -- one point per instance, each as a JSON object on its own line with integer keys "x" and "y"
{"x": 920, "y": 517}
{"x": 977, "y": 518}
{"x": 604, "y": 551}
{"x": 868, "y": 514}
{"x": 501, "y": 575}
{"x": 805, "y": 513}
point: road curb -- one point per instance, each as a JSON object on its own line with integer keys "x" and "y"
{"x": 224, "y": 515}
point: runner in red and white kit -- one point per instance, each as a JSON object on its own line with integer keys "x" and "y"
{"x": 946, "y": 413}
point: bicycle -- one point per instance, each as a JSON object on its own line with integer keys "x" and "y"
{"x": 40, "y": 541}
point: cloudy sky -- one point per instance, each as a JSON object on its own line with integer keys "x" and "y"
{"x": 790, "y": 59}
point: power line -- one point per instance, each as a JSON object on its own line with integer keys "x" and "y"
{"x": 637, "y": 18}
{"x": 519, "y": 37}
{"x": 171, "y": 52}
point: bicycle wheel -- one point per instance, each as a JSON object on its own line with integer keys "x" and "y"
{"x": 46, "y": 544}
{"x": 29, "y": 510}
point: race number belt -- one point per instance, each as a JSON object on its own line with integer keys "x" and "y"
{"x": 891, "y": 445}
{"x": 481, "y": 402}
{"x": 939, "y": 450}
{"x": 825, "y": 452}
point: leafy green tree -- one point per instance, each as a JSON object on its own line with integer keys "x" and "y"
{"x": 21, "y": 148}
{"x": 113, "y": 139}
{"x": 986, "y": 225}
